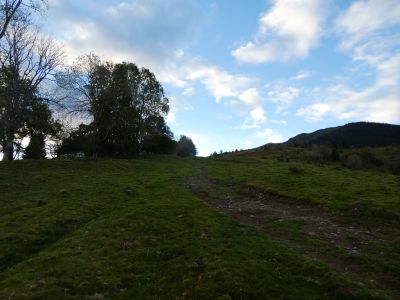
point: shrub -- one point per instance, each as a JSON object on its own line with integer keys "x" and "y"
{"x": 353, "y": 161}
{"x": 80, "y": 140}
{"x": 295, "y": 170}
{"x": 369, "y": 158}
{"x": 158, "y": 144}
{"x": 185, "y": 147}
{"x": 36, "y": 148}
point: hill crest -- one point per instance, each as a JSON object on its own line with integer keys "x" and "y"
{"x": 358, "y": 134}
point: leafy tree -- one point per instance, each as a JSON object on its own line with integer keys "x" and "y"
{"x": 214, "y": 154}
{"x": 126, "y": 103}
{"x": 38, "y": 124}
{"x": 31, "y": 116}
{"x": 185, "y": 147}
{"x": 158, "y": 144}
{"x": 26, "y": 59}
{"x": 80, "y": 140}
{"x": 36, "y": 148}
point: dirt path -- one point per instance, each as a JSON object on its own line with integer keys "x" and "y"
{"x": 309, "y": 229}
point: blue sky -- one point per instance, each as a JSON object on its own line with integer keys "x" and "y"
{"x": 240, "y": 74}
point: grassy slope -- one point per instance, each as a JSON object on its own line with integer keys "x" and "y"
{"x": 119, "y": 229}
{"x": 336, "y": 188}
{"x": 368, "y": 200}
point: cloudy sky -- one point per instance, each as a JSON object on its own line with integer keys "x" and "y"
{"x": 240, "y": 73}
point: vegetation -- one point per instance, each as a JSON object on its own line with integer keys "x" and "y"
{"x": 26, "y": 60}
{"x": 382, "y": 159}
{"x": 36, "y": 148}
{"x": 316, "y": 217}
{"x": 185, "y": 147}
{"x": 126, "y": 104}
{"x": 130, "y": 228}
{"x": 360, "y": 134}
{"x": 312, "y": 183}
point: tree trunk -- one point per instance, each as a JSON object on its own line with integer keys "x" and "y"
{"x": 8, "y": 150}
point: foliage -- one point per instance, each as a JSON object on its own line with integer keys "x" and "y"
{"x": 352, "y": 161}
{"x": 383, "y": 159}
{"x": 185, "y": 147}
{"x": 38, "y": 118}
{"x": 125, "y": 103}
{"x": 80, "y": 140}
{"x": 26, "y": 60}
{"x": 36, "y": 148}
{"x": 29, "y": 116}
{"x": 158, "y": 144}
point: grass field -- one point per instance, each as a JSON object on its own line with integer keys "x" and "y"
{"x": 152, "y": 228}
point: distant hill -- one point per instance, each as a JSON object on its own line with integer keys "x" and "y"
{"x": 360, "y": 134}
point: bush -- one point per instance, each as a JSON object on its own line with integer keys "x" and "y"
{"x": 36, "y": 148}
{"x": 185, "y": 147}
{"x": 295, "y": 170}
{"x": 394, "y": 165}
{"x": 369, "y": 159}
{"x": 158, "y": 144}
{"x": 80, "y": 140}
{"x": 353, "y": 161}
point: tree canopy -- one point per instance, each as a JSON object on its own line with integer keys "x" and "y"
{"x": 185, "y": 147}
{"x": 127, "y": 105}
{"x": 26, "y": 60}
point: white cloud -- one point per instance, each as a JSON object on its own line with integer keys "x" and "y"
{"x": 369, "y": 104}
{"x": 171, "y": 117}
{"x": 171, "y": 78}
{"x": 149, "y": 32}
{"x": 282, "y": 94}
{"x": 302, "y": 74}
{"x": 389, "y": 72}
{"x": 258, "y": 114}
{"x": 369, "y": 32}
{"x": 188, "y": 91}
{"x": 314, "y": 112}
{"x": 173, "y": 109}
{"x": 269, "y": 136}
{"x": 176, "y": 105}
{"x": 365, "y": 17}
{"x": 153, "y": 34}
{"x": 288, "y": 30}
{"x": 257, "y": 117}
{"x": 203, "y": 144}
{"x": 251, "y": 97}
{"x": 218, "y": 83}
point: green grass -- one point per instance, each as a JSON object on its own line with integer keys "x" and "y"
{"x": 336, "y": 188}
{"x": 129, "y": 229}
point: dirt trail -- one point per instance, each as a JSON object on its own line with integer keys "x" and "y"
{"x": 309, "y": 229}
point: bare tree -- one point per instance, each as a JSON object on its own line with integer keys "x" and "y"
{"x": 80, "y": 84}
{"x": 9, "y": 10}
{"x": 26, "y": 59}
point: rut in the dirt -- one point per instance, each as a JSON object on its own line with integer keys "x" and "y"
{"x": 322, "y": 236}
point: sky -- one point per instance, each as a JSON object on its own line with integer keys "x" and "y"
{"x": 240, "y": 74}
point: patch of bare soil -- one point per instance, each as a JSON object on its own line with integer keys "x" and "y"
{"x": 309, "y": 229}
